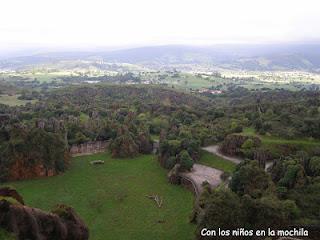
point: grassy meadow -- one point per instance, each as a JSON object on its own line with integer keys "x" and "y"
{"x": 111, "y": 198}
{"x": 13, "y": 100}
{"x": 267, "y": 140}
{"x": 274, "y": 139}
{"x": 212, "y": 160}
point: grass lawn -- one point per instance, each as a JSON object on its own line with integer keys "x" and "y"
{"x": 212, "y": 160}
{"x": 278, "y": 140}
{"x": 270, "y": 141}
{"x": 111, "y": 198}
{"x": 13, "y": 100}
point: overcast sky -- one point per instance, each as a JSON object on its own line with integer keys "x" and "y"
{"x": 96, "y": 23}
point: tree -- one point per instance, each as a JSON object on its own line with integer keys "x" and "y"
{"x": 219, "y": 208}
{"x": 250, "y": 179}
{"x": 247, "y": 148}
{"x": 170, "y": 147}
{"x": 144, "y": 142}
{"x": 314, "y": 166}
{"x": 81, "y": 138}
{"x": 268, "y": 211}
{"x": 28, "y": 149}
{"x": 170, "y": 162}
{"x": 186, "y": 161}
{"x": 157, "y": 124}
{"x": 124, "y": 145}
{"x": 294, "y": 176}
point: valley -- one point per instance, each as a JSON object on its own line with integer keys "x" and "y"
{"x": 138, "y": 152}
{"x": 160, "y": 120}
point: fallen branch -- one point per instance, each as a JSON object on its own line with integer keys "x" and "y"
{"x": 157, "y": 199}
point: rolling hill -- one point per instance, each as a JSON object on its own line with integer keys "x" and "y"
{"x": 263, "y": 57}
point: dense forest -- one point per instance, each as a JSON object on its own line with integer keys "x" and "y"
{"x": 36, "y": 138}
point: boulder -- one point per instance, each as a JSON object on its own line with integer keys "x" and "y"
{"x": 10, "y": 192}
{"x": 32, "y": 223}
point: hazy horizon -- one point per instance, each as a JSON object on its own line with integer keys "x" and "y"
{"x": 124, "y": 24}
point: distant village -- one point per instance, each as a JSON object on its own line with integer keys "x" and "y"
{"x": 206, "y": 90}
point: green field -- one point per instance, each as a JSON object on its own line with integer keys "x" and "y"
{"x": 13, "y": 100}
{"x": 42, "y": 77}
{"x": 111, "y": 198}
{"x": 273, "y": 142}
{"x": 277, "y": 140}
{"x": 214, "y": 161}
{"x": 187, "y": 81}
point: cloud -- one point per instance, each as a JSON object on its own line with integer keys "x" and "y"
{"x": 145, "y": 22}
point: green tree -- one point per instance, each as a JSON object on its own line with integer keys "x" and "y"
{"x": 314, "y": 166}
{"x": 219, "y": 208}
{"x": 247, "y": 148}
{"x": 186, "y": 161}
{"x": 268, "y": 211}
{"x": 250, "y": 179}
{"x": 124, "y": 145}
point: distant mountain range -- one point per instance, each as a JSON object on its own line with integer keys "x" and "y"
{"x": 245, "y": 57}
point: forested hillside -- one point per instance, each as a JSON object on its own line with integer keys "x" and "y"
{"x": 278, "y": 127}
{"x": 258, "y": 57}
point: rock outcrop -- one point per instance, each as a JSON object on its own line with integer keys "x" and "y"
{"x": 22, "y": 170}
{"x": 12, "y": 193}
{"x": 31, "y": 223}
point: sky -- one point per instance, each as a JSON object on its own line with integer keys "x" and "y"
{"x": 114, "y": 23}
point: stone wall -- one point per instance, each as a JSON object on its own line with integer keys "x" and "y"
{"x": 89, "y": 148}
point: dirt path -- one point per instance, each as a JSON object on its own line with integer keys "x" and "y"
{"x": 215, "y": 150}
{"x": 201, "y": 173}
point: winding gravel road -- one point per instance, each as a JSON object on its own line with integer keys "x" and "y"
{"x": 215, "y": 150}
{"x": 201, "y": 173}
